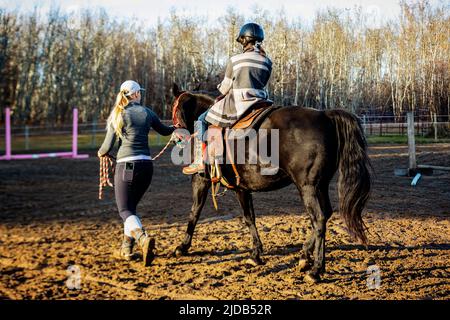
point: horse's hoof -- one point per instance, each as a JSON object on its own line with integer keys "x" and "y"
{"x": 303, "y": 265}
{"x": 254, "y": 262}
{"x": 311, "y": 278}
{"x": 180, "y": 251}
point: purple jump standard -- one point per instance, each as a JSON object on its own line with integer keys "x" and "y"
{"x": 73, "y": 154}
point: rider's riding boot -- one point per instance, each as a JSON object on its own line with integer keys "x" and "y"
{"x": 146, "y": 244}
{"x": 197, "y": 165}
{"x": 126, "y": 249}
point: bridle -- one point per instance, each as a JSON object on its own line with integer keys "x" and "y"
{"x": 175, "y": 107}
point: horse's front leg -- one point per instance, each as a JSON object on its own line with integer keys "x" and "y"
{"x": 246, "y": 202}
{"x": 200, "y": 187}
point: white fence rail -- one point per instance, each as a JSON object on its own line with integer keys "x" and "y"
{"x": 430, "y": 126}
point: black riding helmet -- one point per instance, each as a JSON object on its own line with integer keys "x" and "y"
{"x": 250, "y": 32}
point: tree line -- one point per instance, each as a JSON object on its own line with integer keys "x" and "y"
{"x": 50, "y": 64}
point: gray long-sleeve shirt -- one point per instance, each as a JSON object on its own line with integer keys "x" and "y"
{"x": 138, "y": 121}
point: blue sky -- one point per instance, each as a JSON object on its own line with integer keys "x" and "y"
{"x": 150, "y": 10}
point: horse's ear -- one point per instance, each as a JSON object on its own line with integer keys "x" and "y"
{"x": 175, "y": 90}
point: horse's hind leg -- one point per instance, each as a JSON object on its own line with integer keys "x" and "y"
{"x": 200, "y": 187}
{"x": 246, "y": 202}
{"x": 318, "y": 205}
{"x": 307, "y": 255}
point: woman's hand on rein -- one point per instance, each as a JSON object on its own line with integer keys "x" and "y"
{"x": 180, "y": 136}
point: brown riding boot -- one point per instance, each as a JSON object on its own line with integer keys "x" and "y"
{"x": 197, "y": 165}
{"x": 125, "y": 251}
{"x": 146, "y": 244}
{"x": 194, "y": 168}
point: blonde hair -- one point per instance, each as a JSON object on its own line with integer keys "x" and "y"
{"x": 116, "y": 118}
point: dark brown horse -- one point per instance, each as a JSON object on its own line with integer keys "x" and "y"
{"x": 313, "y": 145}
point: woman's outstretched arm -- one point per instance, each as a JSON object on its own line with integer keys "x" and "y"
{"x": 160, "y": 127}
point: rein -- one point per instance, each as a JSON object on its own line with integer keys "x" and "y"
{"x": 106, "y": 167}
{"x": 163, "y": 149}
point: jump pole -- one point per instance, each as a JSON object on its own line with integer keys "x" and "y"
{"x": 73, "y": 154}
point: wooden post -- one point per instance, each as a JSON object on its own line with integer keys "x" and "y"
{"x": 435, "y": 127}
{"x": 94, "y": 131}
{"x": 365, "y": 124}
{"x": 381, "y": 126}
{"x": 421, "y": 125}
{"x": 411, "y": 142}
{"x": 27, "y": 138}
{"x": 403, "y": 127}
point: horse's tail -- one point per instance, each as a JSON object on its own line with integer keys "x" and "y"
{"x": 354, "y": 171}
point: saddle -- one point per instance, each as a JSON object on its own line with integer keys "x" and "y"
{"x": 252, "y": 119}
{"x": 254, "y": 116}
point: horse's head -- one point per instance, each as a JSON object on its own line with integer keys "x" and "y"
{"x": 188, "y": 106}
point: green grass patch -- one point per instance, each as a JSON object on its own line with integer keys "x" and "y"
{"x": 401, "y": 139}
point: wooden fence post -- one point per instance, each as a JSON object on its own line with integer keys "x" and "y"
{"x": 411, "y": 142}
{"x": 93, "y": 136}
{"x": 27, "y": 138}
{"x": 364, "y": 125}
{"x": 435, "y": 127}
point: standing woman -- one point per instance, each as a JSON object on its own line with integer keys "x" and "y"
{"x": 131, "y": 123}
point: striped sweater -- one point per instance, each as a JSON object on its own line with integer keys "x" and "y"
{"x": 244, "y": 84}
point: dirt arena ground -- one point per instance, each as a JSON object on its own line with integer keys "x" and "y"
{"x": 50, "y": 219}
